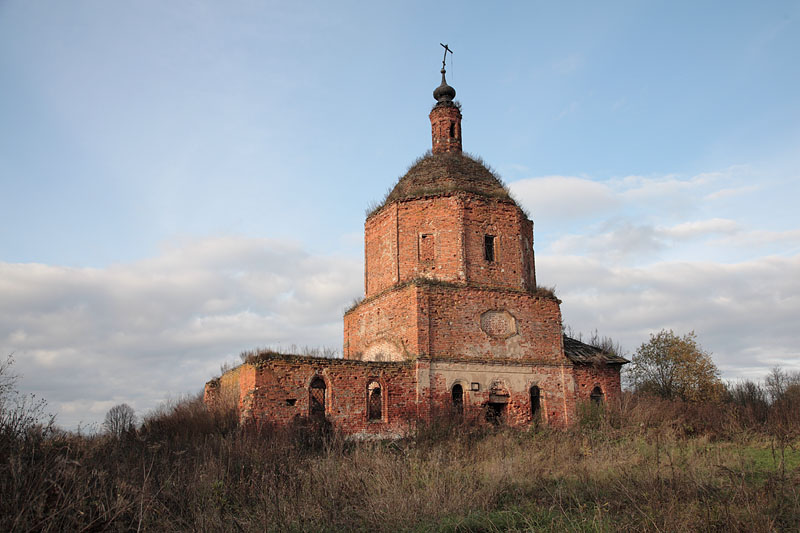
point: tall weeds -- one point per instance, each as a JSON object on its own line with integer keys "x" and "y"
{"x": 642, "y": 465}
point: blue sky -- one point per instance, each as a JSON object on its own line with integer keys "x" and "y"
{"x": 185, "y": 180}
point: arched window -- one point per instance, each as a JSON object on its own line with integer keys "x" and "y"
{"x": 535, "y": 402}
{"x": 374, "y": 401}
{"x": 458, "y": 399}
{"x": 597, "y": 395}
{"x": 452, "y": 130}
{"x": 316, "y": 397}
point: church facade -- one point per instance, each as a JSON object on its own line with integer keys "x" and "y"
{"x": 452, "y": 320}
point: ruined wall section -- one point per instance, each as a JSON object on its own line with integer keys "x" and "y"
{"x": 380, "y": 251}
{"x": 431, "y": 239}
{"x": 528, "y": 256}
{"x": 444, "y": 238}
{"x": 385, "y": 327}
{"x": 512, "y": 233}
{"x": 607, "y": 377}
{"x": 233, "y": 389}
{"x": 282, "y": 393}
{"x": 485, "y": 324}
{"x": 507, "y": 383}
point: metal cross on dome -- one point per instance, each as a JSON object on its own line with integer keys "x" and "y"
{"x": 446, "y": 49}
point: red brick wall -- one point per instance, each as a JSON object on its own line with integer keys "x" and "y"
{"x": 233, "y": 388}
{"x": 442, "y": 117}
{"x": 280, "y": 386}
{"x": 276, "y": 389}
{"x": 457, "y": 225}
{"x": 454, "y": 315}
{"x": 391, "y": 317}
{"x": 423, "y": 319}
{"x": 529, "y": 263}
{"x": 441, "y": 218}
{"x": 606, "y": 377}
{"x": 555, "y": 382}
{"x": 511, "y": 268}
{"x": 380, "y": 251}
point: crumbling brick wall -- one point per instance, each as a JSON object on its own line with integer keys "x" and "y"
{"x": 487, "y": 381}
{"x": 443, "y": 237}
{"x": 385, "y": 327}
{"x": 607, "y": 377}
{"x": 277, "y": 389}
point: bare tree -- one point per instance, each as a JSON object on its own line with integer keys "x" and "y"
{"x": 20, "y": 414}
{"x": 8, "y": 380}
{"x": 120, "y": 419}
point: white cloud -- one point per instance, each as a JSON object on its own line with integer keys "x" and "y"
{"x": 621, "y": 239}
{"x": 649, "y": 218}
{"x": 759, "y": 238}
{"x": 563, "y": 197}
{"x": 615, "y": 240}
{"x": 699, "y": 228}
{"x": 733, "y": 191}
{"x": 136, "y": 333}
{"x": 635, "y": 254}
{"x": 744, "y": 313}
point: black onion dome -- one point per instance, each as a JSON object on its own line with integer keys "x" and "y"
{"x": 441, "y": 174}
{"x": 444, "y": 93}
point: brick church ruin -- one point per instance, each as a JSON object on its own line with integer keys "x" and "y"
{"x": 452, "y": 320}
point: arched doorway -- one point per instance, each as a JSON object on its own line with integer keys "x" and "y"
{"x": 458, "y": 399}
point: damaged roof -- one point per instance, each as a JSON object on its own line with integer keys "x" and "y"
{"x": 447, "y": 173}
{"x": 581, "y": 353}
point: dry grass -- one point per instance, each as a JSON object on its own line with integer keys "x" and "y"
{"x": 644, "y": 465}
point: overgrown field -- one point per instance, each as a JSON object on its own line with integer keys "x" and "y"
{"x": 645, "y": 465}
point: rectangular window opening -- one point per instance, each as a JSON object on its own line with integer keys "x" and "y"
{"x": 488, "y": 248}
{"x": 426, "y": 247}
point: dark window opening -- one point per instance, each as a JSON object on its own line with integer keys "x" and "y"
{"x": 426, "y": 247}
{"x": 495, "y": 412}
{"x": 458, "y": 399}
{"x": 535, "y": 402}
{"x": 316, "y": 397}
{"x": 374, "y": 401}
{"x": 291, "y": 401}
{"x": 597, "y": 395}
{"x": 452, "y": 130}
{"x": 488, "y": 247}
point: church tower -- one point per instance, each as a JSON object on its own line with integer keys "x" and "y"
{"x": 449, "y": 264}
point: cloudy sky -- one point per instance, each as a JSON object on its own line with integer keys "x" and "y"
{"x": 182, "y": 181}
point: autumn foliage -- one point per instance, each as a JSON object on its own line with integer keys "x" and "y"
{"x": 671, "y": 366}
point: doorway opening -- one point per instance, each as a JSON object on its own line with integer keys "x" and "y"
{"x": 458, "y": 400}
{"x": 316, "y": 398}
{"x": 535, "y": 402}
{"x": 495, "y": 413}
